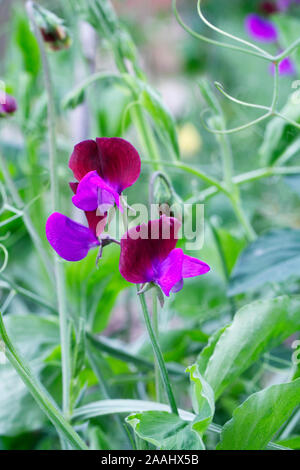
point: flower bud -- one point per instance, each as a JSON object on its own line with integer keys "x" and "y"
{"x": 8, "y": 105}
{"x": 52, "y": 28}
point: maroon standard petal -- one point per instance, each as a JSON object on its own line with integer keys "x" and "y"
{"x": 145, "y": 247}
{"x": 96, "y": 222}
{"x": 70, "y": 240}
{"x": 120, "y": 162}
{"x": 84, "y": 158}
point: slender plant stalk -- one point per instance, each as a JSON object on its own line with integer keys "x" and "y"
{"x": 158, "y": 355}
{"x": 155, "y": 321}
{"x": 58, "y": 268}
{"x": 38, "y": 392}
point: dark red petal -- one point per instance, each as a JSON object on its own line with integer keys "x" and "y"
{"x": 120, "y": 162}
{"x": 84, "y": 158}
{"x": 145, "y": 247}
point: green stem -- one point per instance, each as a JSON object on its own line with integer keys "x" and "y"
{"x": 158, "y": 355}
{"x": 155, "y": 321}
{"x": 58, "y": 269}
{"x": 38, "y": 392}
{"x": 193, "y": 171}
{"x": 249, "y": 231}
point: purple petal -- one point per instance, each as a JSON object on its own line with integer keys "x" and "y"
{"x": 144, "y": 247}
{"x": 93, "y": 193}
{"x": 9, "y": 106}
{"x": 96, "y": 222}
{"x": 286, "y": 67}
{"x": 120, "y": 162}
{"x": 170, "y": 271}
{"x": 70, "y": 240}
{"x": 260, "y": 29}
{"x": 193, "y": 267}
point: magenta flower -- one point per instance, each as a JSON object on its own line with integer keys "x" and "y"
{"x": 9, "y": 106}
{"x": 261, "y": 29}
{"x": 70, "y": 240}
{"x": 149, "y": 254}
{"x": 104, "y": 168}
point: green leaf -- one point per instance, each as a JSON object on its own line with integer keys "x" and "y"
{"x": 107, "y": 407}
{"x": 207, "y": 352}
{"x": 35, "y": 337}
{"x": 28, "y": 47}
{"x": 273, "y": 257}
{"x": 255, "y": 422}
{"x": 165, "y": 430}
{"x": 256, "y": 328}
{"x": 292, "y": 442}
{"x": 203, "y": 400}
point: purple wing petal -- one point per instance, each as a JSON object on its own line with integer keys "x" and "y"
{"x": 286, "y": 67}
{"x": 193, "y": 267}
{"x": 84, "y": 158}
{"x": 170, "y": 271}
{"x": 96, "y": 222}
{"x": 260, "y": 29}
{"x": 93, "y": 193}
{"x": 70, "y": 240}
{"x": 120, "y": 162}
{"x": 144, "y": 247}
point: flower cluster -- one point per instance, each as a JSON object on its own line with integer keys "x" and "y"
{"x": 104, "y": 168}
{"x": 262, "y": 29}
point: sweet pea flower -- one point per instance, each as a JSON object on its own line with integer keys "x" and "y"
{"x": 104, "y": 168}
{"x": 261, "y": 29}
{"x": 149, "y": 255}
{"x": 71, "y": 240}
{"x": 8, "y": 106}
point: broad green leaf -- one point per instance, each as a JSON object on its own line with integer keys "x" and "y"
{"x": 203, "y": 400}
{"x": 256, "y": 328}
{"x": 273, "y": 257}
{"x": 207, "y": 352}
{"x": 255, "y": 422}
{"x": 165, "y": 430}
{"x": 35, "y": 337}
